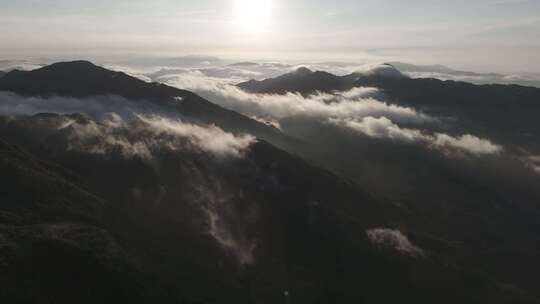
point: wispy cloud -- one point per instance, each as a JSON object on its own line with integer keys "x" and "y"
{"x": 395, "y": 240}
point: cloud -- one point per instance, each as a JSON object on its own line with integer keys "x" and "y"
{"x": 94, "y": 107}
{"x": 267, "y": 121}
{"x": 134, "y": 129}
{"x": 151, "y": 134}
{"x": 139, "y": 130}
{"x": 210, "y": 138}
{"x": 359, "y": 109}
{"x": 445, "y": 73}
{"x": 231, "y": 74}
{"x": 228, "y": 219}
{"x": 525, "y": 79}
{"x": 242, "y": 248}
{"x": 384, "y": 128}
{"x": 93, "y": 138}
{"x": 468, "y": 143}
{"x": 394, "y": 239}
{"x": 244, "y": 71}
{"x": 358, "y": 102}
{"x": 481, "y": 79}
{"x": 385, "y": 70}
{"x": 532, "y": 162}
{"x": 23, "y": 65}
{"x": 380, "y": 128}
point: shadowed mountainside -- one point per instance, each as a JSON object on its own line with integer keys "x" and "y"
{"x": 463, "y": 194}
{"x": 53, "y": 244}
{"x": 260, "y": 227}
{"x": 83, "y": 79}
{"x": 303, "y": 81}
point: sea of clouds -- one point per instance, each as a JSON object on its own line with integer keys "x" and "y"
{"x": 362, "y": 110}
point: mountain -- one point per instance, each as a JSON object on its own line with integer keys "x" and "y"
{"x": 153, "y": 209}
{"x": 182, "y": 219}
{"x": 306, "y": 82}
{"x": 303, "y": 81}
{"x": 2, "y": 73}
{"x": 83, "y": 79}
{"x": 446, "y": 73}
{"x": 52, "y": 242}
{"x": 436, "y": 68}
{"x": 460, "y": 193}
{"x": 481, "y": 107}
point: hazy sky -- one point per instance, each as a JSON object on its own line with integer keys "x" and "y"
{"x": 481, "y": 34}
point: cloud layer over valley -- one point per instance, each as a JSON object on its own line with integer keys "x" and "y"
{"x": 360, "y": 109}
{"x": 133, "y": 129}
{"x": 384, "y": 128}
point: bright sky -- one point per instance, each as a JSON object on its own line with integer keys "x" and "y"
{"x": 501, "y": 34}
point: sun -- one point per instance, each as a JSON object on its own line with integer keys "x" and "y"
{"x": 253, "y": 16}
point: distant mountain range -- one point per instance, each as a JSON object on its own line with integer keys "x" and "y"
{"x": 437, "y": 68}
{"x": 480, "y": 107}
{"x": 445, "y": 73}
{"x": 184, "y": 201}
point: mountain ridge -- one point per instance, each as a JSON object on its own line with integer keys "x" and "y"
{"x": 209, "y": 229}
{"x": 302, "y": 80}
{"x": 83, "y": 79}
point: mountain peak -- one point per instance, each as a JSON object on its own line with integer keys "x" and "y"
{"x": 78, "y": 65}
{"x": 82, "y": 79}
{"x": 302, "y": 80}
{"x": 303, "y": 71}
{"x": 381, "y": 70}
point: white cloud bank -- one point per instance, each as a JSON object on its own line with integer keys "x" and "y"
{"x": 152, "y": 134}
{"x": 358, "y": 102}
{"x": 468, "y": 143}
{"x": 210, "y": 139}
{"x": 134, "y": 129}
{"x": 357, "y": 109}
{"x": 384, "y": 128}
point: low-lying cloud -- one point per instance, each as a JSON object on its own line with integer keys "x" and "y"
{"x": 468, "y": 143}
{"x": 358, "y": 102}
{"x": 148, "y": 135}
{"x": 532, "y": 162}
{"x": 358, "y": 109}
{"x": 95, "y": 107}
{"x": 210, "y": 139}
{"x": 384, "y": 128}
{"x": 133, "y": 129}
{"x": 395, "y": 240}
{"x": 380, "y": 128}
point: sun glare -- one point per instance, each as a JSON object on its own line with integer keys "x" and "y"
{"x": 253, "y": 16}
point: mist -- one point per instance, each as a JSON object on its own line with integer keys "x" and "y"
{"x": 135, "y": 129}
